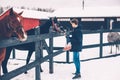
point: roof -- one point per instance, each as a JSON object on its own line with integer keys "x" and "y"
{"x": 87, "y": 12}
{"x": 33, "y": 14}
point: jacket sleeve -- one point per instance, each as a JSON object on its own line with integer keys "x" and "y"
{"x": 68, "y": 39}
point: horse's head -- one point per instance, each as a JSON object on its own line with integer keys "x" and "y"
{"x": 56, "y": 25}
{"x": 14, "y": 24}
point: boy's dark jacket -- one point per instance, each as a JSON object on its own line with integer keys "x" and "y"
{"x": 76, "y": 39}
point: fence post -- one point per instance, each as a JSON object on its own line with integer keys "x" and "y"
{"x": 51, "y": 51}
{"x": 67, "y": 54}
{"x": 101, "y": 42}
{"x": 37, "y": 55}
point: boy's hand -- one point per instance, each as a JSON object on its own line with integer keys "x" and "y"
{"x": 67, "y": 47}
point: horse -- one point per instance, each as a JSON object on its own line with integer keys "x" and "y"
{"x": 44, "y": 28}
{"x": 113, "y": 37}
{"x": 10, "y": 23}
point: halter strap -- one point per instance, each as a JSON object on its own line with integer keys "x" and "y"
{"x": 55, "y": 27}
{"x": 8, "y": 26}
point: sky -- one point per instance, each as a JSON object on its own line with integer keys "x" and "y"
{"x": 59, "y": 3}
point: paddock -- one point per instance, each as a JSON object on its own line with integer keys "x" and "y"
{"x": 91, "y": 69}
{"x": 89, "y": 60}
{"x": 91, "y": 24}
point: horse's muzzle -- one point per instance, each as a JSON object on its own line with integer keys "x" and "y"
{"x": 24, "y": 39}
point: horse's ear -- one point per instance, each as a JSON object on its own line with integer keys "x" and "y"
{"x": 11, "y": 12}
{"x": 20, "y": 13}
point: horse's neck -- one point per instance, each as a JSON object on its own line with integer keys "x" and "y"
{"x": 3, "y": 21}
{"x": 4, "y": 33}
{"x": 4, "y": 14}
{"x": 3, "y": 24}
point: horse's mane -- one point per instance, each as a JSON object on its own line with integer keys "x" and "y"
{"x": 4, "y": 14}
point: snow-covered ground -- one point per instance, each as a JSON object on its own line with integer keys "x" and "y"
{"x": 98, "y": 69}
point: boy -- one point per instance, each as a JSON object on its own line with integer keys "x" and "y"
{"x": 75, "y": 45}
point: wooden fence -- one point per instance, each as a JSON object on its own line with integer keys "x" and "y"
{"x": 39, "y": 40}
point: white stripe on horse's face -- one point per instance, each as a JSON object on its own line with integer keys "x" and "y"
{"x": 18, "y": 19}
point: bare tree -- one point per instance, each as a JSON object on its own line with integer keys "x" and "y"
{"x": 113, "y": 37}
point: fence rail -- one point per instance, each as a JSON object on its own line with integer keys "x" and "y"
{"x": 37, "y": 39}
{"x": 100, "y": 45}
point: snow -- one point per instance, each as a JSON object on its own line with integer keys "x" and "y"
{"x": 33, "y": 14}
{"x": 97, "y": 69}
{"x": 87, "y": 12}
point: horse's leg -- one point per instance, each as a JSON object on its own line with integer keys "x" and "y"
{"x": 4, "y": 63}
{"x": 117, "y": 47}
{"x": 0, "y": 69}
{"x": 2, "y": 56}
{"x": 41, "y": 70}
{"x": 111, "y": 49}
{"x": 28, "y": 58}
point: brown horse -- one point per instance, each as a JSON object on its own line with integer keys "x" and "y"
{"x": 44, "y": 28}
{"x": 10, "y": 23}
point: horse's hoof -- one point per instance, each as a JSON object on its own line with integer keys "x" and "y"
{"x": 25, "y": 72}
{"x": 41, "y": 70}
